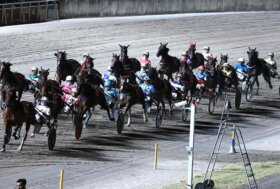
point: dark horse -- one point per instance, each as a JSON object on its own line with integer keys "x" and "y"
{"x": 130, "y": 95}
{"x": 197, "y": 59}
{"x": 14, "y": 80}
{"x": 15, "y": 115}
{"x": 168, "y": 64}
{"x": 90, "y": 96}
{"x": 88, "y": 74}
{"x": 65, "y": 66}
{"x": 117, "y": 67}
{"x": 224, "y": 59}
{"x": 256, "y": 67}
{"x": 163, "y": 89}
{"x": 50, "y": 89}
{"x": 129, "y": 64}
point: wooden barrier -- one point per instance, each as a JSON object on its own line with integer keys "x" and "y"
{"x": 29, "y": 12}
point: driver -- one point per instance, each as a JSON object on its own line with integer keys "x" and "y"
{"x": 148, "y": 90}
{"x": 272, "y": 65}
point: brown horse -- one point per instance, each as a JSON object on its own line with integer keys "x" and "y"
{"x": 130, "y": 95}
{"x": 163, "y": 89}
{"x": 15, "y": 115}
{"x": 65, "y": 66}
{"x": 197, "y": 59}
{"x": 224, "y": 59}
{"x": 14, "y": 80}
{"x": 117, "y": 67}
{"x": 50, "y": 89}
{"x": 168, "y": 64}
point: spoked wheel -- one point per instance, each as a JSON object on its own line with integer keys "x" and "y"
{"x": 249, "y": 92}
{"x": 237, "y": 99}
{"x": 51, "y": 138}
{"x": 78, "y": 123}
{"x": 211, "y": 105}
{"x": 159, "y": 116}
{"x": 185, "y": 113}
{"x": 209, "y": 183}
{"x": 120, "y": 123}
{"x": 1, "y": 103}
{"x": 200, "y": 186}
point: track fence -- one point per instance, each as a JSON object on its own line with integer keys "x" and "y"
{"x": 29, "y": 12}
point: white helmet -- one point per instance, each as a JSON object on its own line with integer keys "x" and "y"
{"x": 184, "y": 53}
{"x": 206, "y": 48}
{"x": 241, "y": 60}
{"x": 109, "y": 68}
{"x": 34, "y": 69}
{"x": 44, "y": 99}
{"x": 85, "y": 54}
{"x": 69, "y": 78}
{"x": 270, "y": 54}
{"x": 146, "y": 53}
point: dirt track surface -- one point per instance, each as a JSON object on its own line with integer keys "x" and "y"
{"x": 104, "y": 159}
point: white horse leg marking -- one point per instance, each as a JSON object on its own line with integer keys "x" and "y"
{"x": 128, "y": 118}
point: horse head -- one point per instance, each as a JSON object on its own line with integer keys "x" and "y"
{"x": 192, "y": 46}
{"x": 211, "y": 64}
{"x": 162, "y": 50}
{"x": 252, "y": 56}
{"x": 61, "y": 56}
{"x": 10, "y": 95}
{"x": 124, "y": 51}
{"x": 116, "y": 65}
{"x": 191, "y": 50}
{"x": 43, "y": 74}
{"x": 5, "y": 69}
{"x": 224, "y": 58}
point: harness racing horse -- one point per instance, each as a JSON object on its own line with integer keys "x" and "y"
{"x": 15, "y": 114}
{"x": 130, "y": 65}
{"x": 130, "y": 94}
{"x": 224, "y": 59}
{"x": 163, "y": 89}
{"x": 65, "y": 66}
{"x": 256, "y": 67}
{"x": 168, "y": 64}
{"x": 90, "y": 96}
{"x": 14, "y": 80}
{"x": 88, "y": 74}
{"x": 197, "y": 59}
{"x": 117, "y": 67}
{"x": 50, "y": 89}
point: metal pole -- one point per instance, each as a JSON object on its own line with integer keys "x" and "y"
{"x": 190, "y": 148}
{"x": 61, "y": 179}
{"x": 156, "y": 157}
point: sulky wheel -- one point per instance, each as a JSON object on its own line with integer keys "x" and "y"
{"x": 78, "y": 123}
{"x": 200, "y": 186}
{"x": 249, "y": 92}
{"x": 120, "y": 123}
{"x": 185, "y": 113}
{"x": 237, "y": 99}
{"x": 51, "y": 138}
{"x": 209, "y": 184}
{"x": 211, "y": 105}
{"x": 159, "y": 116}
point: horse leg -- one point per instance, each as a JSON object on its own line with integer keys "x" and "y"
{"x": 128, "y": 118}
{"x": 15, "y": 133}
{"x": 7, "y": 135}
{"x": 257, "y": 83}
{"x": 27, "y": 126}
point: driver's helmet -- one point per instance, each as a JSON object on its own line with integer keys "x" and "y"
{"x": 271, "y": 54}
{"x": 179, "y": 75}
{"x": 226, "y": 65}
{"x": 184, "y": 53}
{"x": 146, "y": 78}
{"x": 144, "y": 66}
{"x": 34, "y": 69}
{"x": 201, "y": 67}
{"x": 108, "y": 83}
{"x": 69, "y": 78}
{"x": 241, "y": 60}
{"x": 109, "y": 69}
{"x": 44, "y": 100}
{"x": 146, "y": 53}
{"x": 85, "y": 55}
{"x": 206, "y": 48}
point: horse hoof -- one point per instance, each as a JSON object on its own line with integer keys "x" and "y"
{"x": 2, "y": 150}
{"x": 128, "y": 125}
{"x": 84, "y": 126}
{"x": 19, "y": 149}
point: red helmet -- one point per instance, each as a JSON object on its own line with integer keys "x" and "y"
{"x": 201, "y": 67}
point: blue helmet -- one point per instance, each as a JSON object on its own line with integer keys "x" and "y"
{"x": 146, "y": 78}
{"x": 107, "y": 83}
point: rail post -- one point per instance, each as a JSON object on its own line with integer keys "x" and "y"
{"x": 61, "y": 179}
{"x": 190, "y": 148}
{"x": 232, "y": 142}
{"x": 155, "y": 156}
